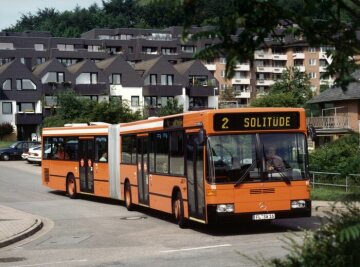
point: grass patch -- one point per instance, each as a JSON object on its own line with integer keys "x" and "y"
{"x": 6, "y": 143}
{"x": 334, "y": 195}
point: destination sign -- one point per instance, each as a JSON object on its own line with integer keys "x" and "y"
{"x": 256, "y": 121}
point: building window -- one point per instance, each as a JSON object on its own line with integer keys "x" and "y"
{"x": 312, "y": 75}
{"x": 6, "y": 108}
{"x": 223, "y": 60}
{"x": 150, "y": 101}
{"x": 188, "y": 48}
{"x": 40, "y": 60}
{"x": 312, "y": 62}
{"x": 165, "y": 99}
{"x": 135, "y": 101}
{"x": 95, "y": 48}
{"x": 312, "y": 49}
{"x": 39, "y": 47}
{"x": 65, "y": 47}
{"x": 222, "y": 73}
{"x": 25, "y": 107}
{"x": 87, "y": 78}
{"x": 115, "y": 78}
{"x": 25, "y": 84}
{"x": 6, "y": 84}
{"x": 130, "y": 49}
{"x": 58, "y": 77}
{"x": 167, "y": 79}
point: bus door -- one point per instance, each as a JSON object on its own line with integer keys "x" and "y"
{"x": 86, "y": 163}
{"x": 142, "y": 170}
{"x": 195, "y": 178}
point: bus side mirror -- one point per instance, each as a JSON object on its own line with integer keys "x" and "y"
{"x": 312, "y": 132}
{"x": 201, "y": 138}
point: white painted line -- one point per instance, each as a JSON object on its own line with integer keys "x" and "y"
{"x": 197, "y": 248}
{"x": 50, "y": 263}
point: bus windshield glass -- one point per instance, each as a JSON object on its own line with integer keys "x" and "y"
{"x": 246, "y": 158}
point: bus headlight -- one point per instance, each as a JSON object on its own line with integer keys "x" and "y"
{"x": 298, "y": 204}
{"x": 221, "y": 208}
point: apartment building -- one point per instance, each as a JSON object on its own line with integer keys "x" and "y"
{"x": 107, "y": 63}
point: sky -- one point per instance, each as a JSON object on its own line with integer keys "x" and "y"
{"x": 11, "y": 10}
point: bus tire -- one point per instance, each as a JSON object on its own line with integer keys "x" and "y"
{"x": 71, "y": 186}
{"x": 128, "y": 198}
{"x": 178, "y": 209}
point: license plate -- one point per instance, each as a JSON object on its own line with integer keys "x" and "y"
{"x": 267, "y": 216}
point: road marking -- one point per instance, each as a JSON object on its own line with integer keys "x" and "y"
{"x": 50, "y": 263}
{"x": 197, "y": 248}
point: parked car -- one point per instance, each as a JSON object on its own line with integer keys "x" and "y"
{"x": 35, "y": 155}
{"x": 16, "y": 149}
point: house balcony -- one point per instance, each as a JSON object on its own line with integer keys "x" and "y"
{"x": 279, "y": 69}
{"x": 300, "y": 68}
{"x": 162, "y": 90}
{"x": 264, "y": 69}
{"x": 279, "y": 57}
{"x": 240, "y": 81}
{"x": 28, "y": 118}
{"x": 262, "y": 82}
{"x": 322, "y": 69}
{"x": 263, "y": 56}
{"x": 298, "y": 56}
{"x": 242, "y": 67}
{"x": 211, "y": 67}
{"x": 242, "y": 94}
{"x": 201, "y": 91}
{"x": 338, "y": 123}
{"x": 52, "y": 87}
{"x": 92, "y": 89}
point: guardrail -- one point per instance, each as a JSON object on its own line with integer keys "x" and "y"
{"x": 334, "y": 179}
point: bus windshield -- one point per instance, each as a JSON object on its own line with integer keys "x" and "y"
{"x": 245, "y": 158}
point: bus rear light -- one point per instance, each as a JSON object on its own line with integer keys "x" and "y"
{"x": 298, "y": 204}
{"x": 221, "y": 208}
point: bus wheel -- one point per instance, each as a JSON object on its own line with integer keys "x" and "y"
{"x": 178, "y": 208}
{"x": 71, "y": 186}
{"x": 128, "y": 200}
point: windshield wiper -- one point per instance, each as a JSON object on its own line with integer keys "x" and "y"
{"x": 282, "y": 175}
{"x": 242, "y": 178}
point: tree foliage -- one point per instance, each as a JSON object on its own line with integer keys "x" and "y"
{"x": 243, "y": 26}
{"x": 335, "y": 243}
{"x": 73, "y": 108}
{"x": 293, "y": 89}
{"x": 6, "y": 128}
{"x": 172, "y": 107}
{"x": 341, "y": 155}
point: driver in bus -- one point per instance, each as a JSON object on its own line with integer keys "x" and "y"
{"x": 274, "y": 161}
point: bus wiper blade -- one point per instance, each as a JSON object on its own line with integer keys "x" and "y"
{"x": 242, "y": 178}
{"x": 283, "y": 175}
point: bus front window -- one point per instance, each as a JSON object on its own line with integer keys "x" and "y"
{"x": 256, "y": 157}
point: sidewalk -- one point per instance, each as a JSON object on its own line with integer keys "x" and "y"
{"x": 16, "y": 225}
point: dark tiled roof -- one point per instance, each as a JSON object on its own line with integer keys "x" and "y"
{"x": 183, "y": 67}
{"x": 39, "y": 68}
{"x": 146, "y": 65}
{"x": 337, "y": 93}
{"x": 76, "y": 67}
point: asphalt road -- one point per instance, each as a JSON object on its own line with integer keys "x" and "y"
{"x": 92, "y": 231}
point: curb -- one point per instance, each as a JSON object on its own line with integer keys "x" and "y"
{"x": 38, "y": 224}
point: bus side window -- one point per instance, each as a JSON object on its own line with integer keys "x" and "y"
{"x": 101, "y": 149}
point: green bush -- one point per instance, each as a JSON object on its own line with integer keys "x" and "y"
{"x": 342, "y": 155}
{"x": 6, "y": 128}
{"x": 336, "y": 243}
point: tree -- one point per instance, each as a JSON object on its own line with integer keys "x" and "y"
{"x": 293, "y": 89}
{"x": 6, "y": 128}
{"x": 227, "y": 94}
{"x": 242, "y": 26}
{"x": 172, "y": 107}
{"x": 74, "y": 108}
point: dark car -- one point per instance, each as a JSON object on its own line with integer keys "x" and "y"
{"x": 16, "y": 149}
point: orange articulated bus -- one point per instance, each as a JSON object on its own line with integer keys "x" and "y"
{"x": 202, "y": 166}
